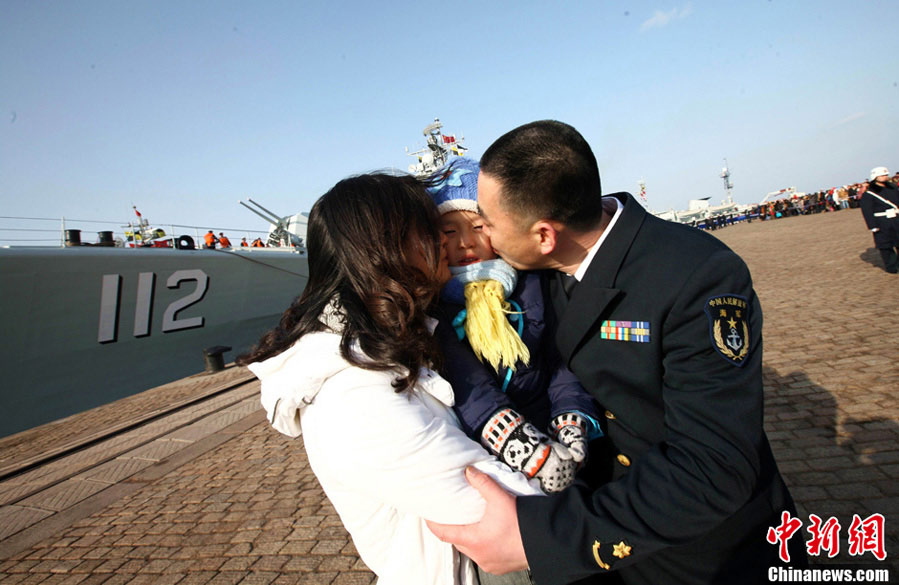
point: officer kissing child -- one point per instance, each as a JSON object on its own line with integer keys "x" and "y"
{"x": 499, "y": 355}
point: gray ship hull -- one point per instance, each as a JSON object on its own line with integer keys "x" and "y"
{"x": 85, "y": 326}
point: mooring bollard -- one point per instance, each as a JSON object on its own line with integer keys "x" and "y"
{"x": 73, "y": 238}
{"x": 215, "y": 361}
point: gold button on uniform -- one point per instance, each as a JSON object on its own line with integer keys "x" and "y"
{"x": 623, "y": 459}
{"x": 609, "y": 415}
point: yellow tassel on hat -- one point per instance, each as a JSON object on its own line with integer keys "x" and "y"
{"x": 489, "y": 332}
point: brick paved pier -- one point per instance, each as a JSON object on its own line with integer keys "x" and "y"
{"x": 211, "y": 494}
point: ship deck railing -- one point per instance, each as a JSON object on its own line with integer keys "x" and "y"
{"x": 16, "y": 231}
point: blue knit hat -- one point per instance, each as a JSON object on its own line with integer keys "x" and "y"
{"x": 455, "y": 186}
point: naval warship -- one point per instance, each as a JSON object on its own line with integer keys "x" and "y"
{"x": 86, "y": 324}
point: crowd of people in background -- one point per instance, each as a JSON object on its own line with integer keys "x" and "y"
{"x": 833, "y": 199}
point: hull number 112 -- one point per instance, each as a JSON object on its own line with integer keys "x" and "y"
{"x": 110, "y": 301}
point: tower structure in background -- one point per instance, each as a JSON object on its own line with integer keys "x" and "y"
{"x": 725, "y": 174}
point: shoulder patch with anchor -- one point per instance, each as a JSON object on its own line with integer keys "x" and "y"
{"x": 729, "y": 327}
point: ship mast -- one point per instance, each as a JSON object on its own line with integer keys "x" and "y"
{"x": 440, "y": 147}
{"x": 725, "y": 174}
{"x": 642, "y": 191}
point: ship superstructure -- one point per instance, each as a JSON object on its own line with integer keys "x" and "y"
{"x": 700, "y": 210}
{"x": 439, "y": 150}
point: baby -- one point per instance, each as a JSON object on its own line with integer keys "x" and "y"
{"x": 500, "y": 359}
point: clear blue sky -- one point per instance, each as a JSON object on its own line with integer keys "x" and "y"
{"x": 183, "y": 108}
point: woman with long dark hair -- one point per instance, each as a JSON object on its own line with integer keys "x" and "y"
{"x": 351, "y": 366}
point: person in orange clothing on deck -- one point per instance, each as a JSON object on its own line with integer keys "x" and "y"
{"x": 257, "y": 243}
{"x": 224, "y": 241}
{"x": 210, "y": 240}
{"x": 243, "y": 243}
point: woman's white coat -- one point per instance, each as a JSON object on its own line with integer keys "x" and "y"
{"x": 386, "y": 460}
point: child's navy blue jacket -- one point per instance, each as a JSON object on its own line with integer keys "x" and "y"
{"x": 539, "y": 391}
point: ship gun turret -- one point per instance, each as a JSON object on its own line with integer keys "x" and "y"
{"x": 283, "y": 230}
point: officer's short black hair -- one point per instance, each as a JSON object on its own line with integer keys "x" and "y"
{"x": 547, "y": 171}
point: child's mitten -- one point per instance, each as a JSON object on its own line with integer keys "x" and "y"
{"x": 570, "y": 429}
{"x": 522, "y": 447}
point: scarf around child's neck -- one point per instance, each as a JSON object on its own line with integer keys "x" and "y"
{"x": 496, "y": 269}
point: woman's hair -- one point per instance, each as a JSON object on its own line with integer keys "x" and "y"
{"x": 361, "y": 236}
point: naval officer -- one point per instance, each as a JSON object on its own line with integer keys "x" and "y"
{"x": 663, "y": 327}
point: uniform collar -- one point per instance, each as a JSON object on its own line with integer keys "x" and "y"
{"x": 582, "y": 269}
{"x": 604, "y": 266}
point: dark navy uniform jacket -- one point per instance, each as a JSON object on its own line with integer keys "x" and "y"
{"x": 874, "y": 210}
{"x": 665, "y": 331}
{"x": 538, "y": 391}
